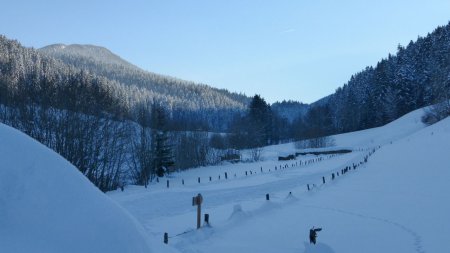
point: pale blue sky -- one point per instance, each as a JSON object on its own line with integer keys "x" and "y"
{"x": 300, "y": 49}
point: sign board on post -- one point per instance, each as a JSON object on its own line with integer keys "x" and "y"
{"x": 197, "y": 201}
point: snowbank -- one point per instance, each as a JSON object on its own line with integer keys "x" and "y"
{"x": 46, "y": 205}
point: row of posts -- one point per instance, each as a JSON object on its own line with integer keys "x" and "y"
{"x": 251, "y": 172}
{"x": 346, "y": 169}
{"x": 198, "y": 200}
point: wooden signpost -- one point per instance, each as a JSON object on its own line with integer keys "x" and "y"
{"x": 197, "y": 201}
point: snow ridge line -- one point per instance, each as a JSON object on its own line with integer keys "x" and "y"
{"x": 416, "y": 237}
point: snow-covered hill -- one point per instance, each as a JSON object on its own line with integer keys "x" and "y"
{"x": 396, "y": 202}
{"x": 99, "y": 54}
{"x": 47, "y": 206}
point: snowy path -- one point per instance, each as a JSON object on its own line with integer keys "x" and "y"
{"x": 176, "y": 201}
{"x": 397, "y": 202}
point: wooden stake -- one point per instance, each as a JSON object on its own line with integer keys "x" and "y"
{"x": 166, "y": 238}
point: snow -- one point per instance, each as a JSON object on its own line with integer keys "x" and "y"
{"x": 48, "y": 206}
{"x": 398, "y": 129}
{"x": 396, "y": 202}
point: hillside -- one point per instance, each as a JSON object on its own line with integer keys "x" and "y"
{"x": 186, "y": 101}
{"x": 381, "y": 199}
{"x": 94, "y": 53}
{"x": 414, "y": 77}
{"x": 47, "y": 205}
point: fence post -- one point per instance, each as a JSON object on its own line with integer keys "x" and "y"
{"x": 167, "y": 183}
{"x": 166, "y": 238}
{"x": 210, "y": 179}
{"x": 198, "y": 180}
{"x": 182, "y": 181}
{"x": 308, "y": 186}
{"x": 267, "y": 196}
{"x": 226, "y": 175}
{"x": 207, "y": 218}
{"x": 323, "y": 179}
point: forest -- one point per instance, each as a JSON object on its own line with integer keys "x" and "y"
{"x": 121, "y": 125}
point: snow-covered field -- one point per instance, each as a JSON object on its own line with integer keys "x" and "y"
{"x": 396, "y": 202}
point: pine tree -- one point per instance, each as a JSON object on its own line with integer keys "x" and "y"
{"x": 259, "y": 122}
{"x": 162, "y": 150}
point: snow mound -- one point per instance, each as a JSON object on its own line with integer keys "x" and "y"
{"x": 47, "y": 205}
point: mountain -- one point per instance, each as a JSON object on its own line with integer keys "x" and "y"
{"x": 188, "y": 103}
{"x": 95, "y": 53}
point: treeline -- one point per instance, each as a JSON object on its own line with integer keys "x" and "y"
{"x": 89, "y": 121}
{"x": 190, "y": 106}
{"x": 126, "y": 125}
{"x": 83, "y": 118}
{"x": 417, "y": 76}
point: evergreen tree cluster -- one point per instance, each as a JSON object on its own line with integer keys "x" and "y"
{"x": 190, "y": 106}
{"x": 118, "y": 124}
{"x": 417, "y": 76}
{"x": 27, "y": 77}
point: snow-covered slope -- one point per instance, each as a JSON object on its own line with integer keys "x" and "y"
{"x": 373, "y": 137}
{"x": 396, "y": 202}
{"x": 399, "y": 128}
{"x": 46, "y": 205}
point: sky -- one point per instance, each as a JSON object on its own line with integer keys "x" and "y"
{"x": 283, "y": 50}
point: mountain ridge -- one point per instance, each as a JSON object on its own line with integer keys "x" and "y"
{"x": 99, "y": 53}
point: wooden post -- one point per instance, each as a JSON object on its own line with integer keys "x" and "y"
{"x": 332, "y": 176}
{"x": 207, "y": 218}
{"x": 226, "y": 175}
{"x": 166, "y": 238}
{"x": 210, "y": 178}
{"x": 261, "y": 169}
{"x": 267, "y": 196}
{"x": 198, "y": 180}
{"x": 308, "y": 186}
{"x": 323, "y": 179}
{"x": 198, "y": 202}
{"x": 167, "y": 183}
{"x": 246, "y": 173}
{"x": 199, "y": 215}
{"x": 182, "y": 181}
